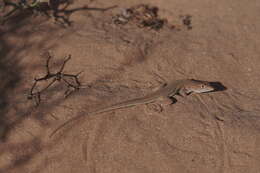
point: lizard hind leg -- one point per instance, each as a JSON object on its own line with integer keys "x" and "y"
{"x": 167, "y": 100}
{"x": 159, "y": 87}
{"x": 160, "y": 104}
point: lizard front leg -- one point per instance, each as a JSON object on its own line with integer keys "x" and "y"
{"x": 183, "y": 92}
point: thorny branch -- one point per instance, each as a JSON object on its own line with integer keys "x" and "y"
{"x": 58, "y": 9}
{"x": 56, "y": 77}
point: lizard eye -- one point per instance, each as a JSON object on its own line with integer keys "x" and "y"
{"x": 202, "y": 86}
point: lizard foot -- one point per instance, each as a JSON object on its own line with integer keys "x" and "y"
{"x": 158, "y": 106}
{"x": 153, "y": 107}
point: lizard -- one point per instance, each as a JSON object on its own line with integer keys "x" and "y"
{"x": 182, "y": 87}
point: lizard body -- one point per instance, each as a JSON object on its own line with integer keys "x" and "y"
{"x": 181, "y": 87}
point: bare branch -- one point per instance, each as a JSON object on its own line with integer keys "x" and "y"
{"x": 58, "y": 76}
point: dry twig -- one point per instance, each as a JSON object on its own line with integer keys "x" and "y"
{"x": 56, "y": 77}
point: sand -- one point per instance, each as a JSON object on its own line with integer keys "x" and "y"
{"x": 217, "y": 132}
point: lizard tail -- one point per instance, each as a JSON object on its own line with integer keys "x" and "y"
{"x": 128, "y": 103}
{"x": 66, "y": 123}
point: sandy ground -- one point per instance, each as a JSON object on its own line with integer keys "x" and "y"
{"x": 217, "y": 132}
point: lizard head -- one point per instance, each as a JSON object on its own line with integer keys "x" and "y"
{"x": 197, "y": 86}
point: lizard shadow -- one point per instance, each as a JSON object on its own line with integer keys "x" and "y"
{"x": 174, "y": 100}
{"x": 218, "y": 86}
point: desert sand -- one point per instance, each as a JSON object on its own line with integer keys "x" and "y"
{"x": 216, "y": 132}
